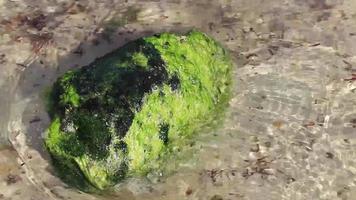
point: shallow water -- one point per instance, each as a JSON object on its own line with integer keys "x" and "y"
{"x": 289, "y": 131}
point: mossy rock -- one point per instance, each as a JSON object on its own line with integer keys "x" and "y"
{"x": 121, "y": 115}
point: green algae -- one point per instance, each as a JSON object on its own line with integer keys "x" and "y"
{"x": 121, "y": 115}
{"x": 140, "y": 59}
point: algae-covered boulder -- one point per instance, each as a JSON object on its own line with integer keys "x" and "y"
{"x": 122, "y": 114}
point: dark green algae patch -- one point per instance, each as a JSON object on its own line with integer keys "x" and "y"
{"x": 126, "y": 112}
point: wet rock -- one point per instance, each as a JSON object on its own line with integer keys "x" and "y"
{"x": 120, "y": 114}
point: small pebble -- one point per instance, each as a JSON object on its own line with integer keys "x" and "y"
{"x": 259, "y": 21}
{"x": 329, "y": 155}
{"x": 216, "y": 197}
{"x": 189, "y": 191}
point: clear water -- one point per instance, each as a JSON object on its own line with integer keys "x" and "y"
{"x": 289, "y": 132}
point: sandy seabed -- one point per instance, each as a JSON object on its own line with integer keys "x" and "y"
{"x": 290, "y": 129}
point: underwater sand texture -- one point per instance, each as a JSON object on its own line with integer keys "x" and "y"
{"x": 289, "y": 132}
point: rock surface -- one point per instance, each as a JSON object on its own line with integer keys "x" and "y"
{"x": 123, "y": 114}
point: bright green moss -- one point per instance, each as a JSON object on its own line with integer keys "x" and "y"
{"x": 121, "y": 115}
{"x": 70, "y": 96}
{"x": 140, "y": 59}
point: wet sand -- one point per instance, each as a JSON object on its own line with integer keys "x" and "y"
{"x": 289, "y": 132}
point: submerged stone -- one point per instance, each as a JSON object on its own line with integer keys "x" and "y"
{"x": 121, "y": 115}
